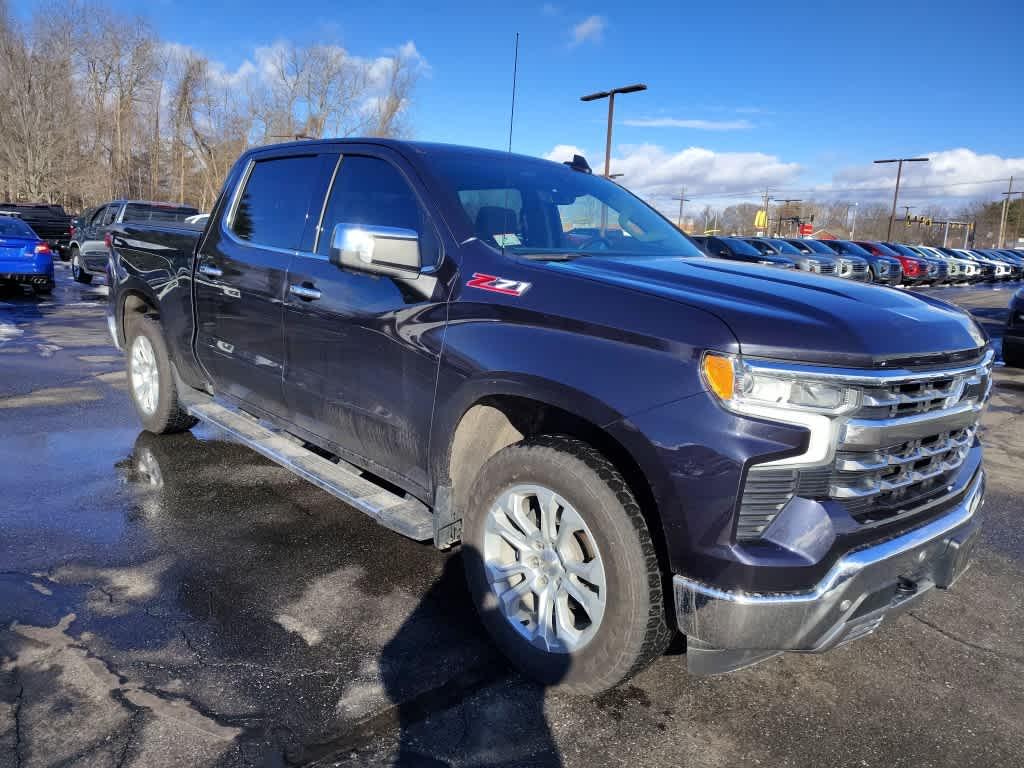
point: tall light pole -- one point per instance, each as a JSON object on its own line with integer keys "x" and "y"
{"x": 610, "y": 95}
{"x": 896, "y": 194}
{"x": 853, "y": 227}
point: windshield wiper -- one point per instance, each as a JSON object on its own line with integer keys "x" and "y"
{"x": 559, "y": 256}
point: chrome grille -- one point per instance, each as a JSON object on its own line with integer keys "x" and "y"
{"x": 905, "y": 399}
{"x": 878, "y": 484}
{"x": 827, "y": 269}
{"x": 898, "y": 452}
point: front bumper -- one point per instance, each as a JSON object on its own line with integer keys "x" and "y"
{"x": 861, "y": 589}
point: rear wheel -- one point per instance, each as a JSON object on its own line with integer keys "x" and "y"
{"x": 151, "y": 381}
{"x": 77, "y": 271}
{"x": 561, "y": 565}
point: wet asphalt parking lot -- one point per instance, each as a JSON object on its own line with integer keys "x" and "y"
{"x": 180, "y": 601}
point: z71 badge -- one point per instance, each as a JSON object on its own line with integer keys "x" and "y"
{"x": 498, "y": 284}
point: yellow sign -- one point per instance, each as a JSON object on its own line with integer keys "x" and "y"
{"x": 761, "y": 219}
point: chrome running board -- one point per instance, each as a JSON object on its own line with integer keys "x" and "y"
{"x": 404, "y": 515}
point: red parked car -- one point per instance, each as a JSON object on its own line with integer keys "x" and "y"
{"x": 915, "y": 271}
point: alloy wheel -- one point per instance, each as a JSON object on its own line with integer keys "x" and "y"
{"x": 145, "y": 377}
{"x": 544, "y": 567}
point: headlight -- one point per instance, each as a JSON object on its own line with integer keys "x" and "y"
{"x": 745, "y": 388}
{"x": 810, "y": 265}
{"x": 883, "y": 268}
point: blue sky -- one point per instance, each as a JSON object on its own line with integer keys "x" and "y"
{"x": 798, "y": 95}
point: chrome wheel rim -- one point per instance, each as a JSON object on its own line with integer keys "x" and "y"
{"x": 544, "y": 569}
{"x": 144, "y": 374}
{"x": 76, "y": 268}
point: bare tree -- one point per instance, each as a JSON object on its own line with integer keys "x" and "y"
{"x": 93, "y": 105}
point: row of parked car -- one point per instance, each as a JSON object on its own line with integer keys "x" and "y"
{"x": 885, "y": 263}
{"x": 32, "y": 235}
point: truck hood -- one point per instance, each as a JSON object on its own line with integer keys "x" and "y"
{"x": 790, "y": 315}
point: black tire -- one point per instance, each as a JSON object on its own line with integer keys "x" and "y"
{"x": 77, "y": 273}
{"x": 1013, "y": 352}
{"x": 633, "y": 631}
{"x": 168, "y": 416}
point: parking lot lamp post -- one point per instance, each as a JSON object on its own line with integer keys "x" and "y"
{"x": 610, "y": 95}
{"x": 899, "y": 173}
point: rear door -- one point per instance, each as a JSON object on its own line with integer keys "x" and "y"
{"x": 241, "y": 277}
{"x": 362, "y": 350}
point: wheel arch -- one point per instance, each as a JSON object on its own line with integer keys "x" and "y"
{"x": 133, "y": 301}
{"x": 492, "y": 415}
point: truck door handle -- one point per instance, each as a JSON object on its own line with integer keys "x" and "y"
{"x": 304, "y": 293}
{"x": 210, "y": 270}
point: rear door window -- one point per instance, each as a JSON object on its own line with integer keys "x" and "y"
{"x": 273, "y": 207}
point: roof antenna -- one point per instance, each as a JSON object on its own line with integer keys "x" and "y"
{"x": 505, "y": 240}
{"x": 515, "y": 74}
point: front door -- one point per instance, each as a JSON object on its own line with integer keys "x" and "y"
{"x": 241, "y": 278}
{"x": 362, "y": 350}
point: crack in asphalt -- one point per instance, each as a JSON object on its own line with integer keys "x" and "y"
{"x": 403, "y": 714}
{"x": 18, "y": 701}
{"x": 137, "y": 714}
{"x": 966, "y": 643}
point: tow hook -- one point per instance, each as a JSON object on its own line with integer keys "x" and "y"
{"x": 905, "y": 587}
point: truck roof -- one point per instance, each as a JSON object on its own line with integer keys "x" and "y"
{"x": 406, "y": 147}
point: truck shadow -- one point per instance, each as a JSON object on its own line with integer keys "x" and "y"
{"x": 447, "y": 697}
{"x": 482, "y": 716}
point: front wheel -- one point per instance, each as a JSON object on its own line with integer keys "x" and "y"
{"x": 151, "y": 381}
{"x": 561, "y": 566}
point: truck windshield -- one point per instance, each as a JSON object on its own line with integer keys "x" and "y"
{"x": 536, "y": 207}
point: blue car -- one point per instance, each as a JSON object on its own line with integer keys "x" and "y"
{"x": 25, "y": 258}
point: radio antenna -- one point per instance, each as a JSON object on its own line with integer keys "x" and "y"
{"x": 515, "y": 74}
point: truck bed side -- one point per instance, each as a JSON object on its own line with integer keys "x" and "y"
{"x": 153, "y": 264}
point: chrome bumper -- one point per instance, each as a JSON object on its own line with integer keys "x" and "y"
{"x": 857, "y": 593}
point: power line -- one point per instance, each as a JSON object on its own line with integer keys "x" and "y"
{"x": 759, "y": 193}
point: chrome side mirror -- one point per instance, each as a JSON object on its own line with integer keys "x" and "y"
{"x": 377, "y": 250}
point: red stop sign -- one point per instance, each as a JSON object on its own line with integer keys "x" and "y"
{"x": 806, "y": 229}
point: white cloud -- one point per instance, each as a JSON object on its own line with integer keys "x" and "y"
{"x": 591, "y": 29}
{"x": 657, "y": 174}
{"x": 948, "y": 174}
{"x": 698, "y": 125}
{"x": 563, "y": 152}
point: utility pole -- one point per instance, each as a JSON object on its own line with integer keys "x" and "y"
{"x": 1006, "y": 207}
{"x": 899, "y": 174}
{"x": 767, "y": 220}
{"x": 853, "y": 227}
{"x": 610, "y": 95}
{"x": 945, "y": 234}
{"x": 682, "y": 199}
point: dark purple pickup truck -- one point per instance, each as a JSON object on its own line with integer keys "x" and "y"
{"x": 627, "y": 439}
